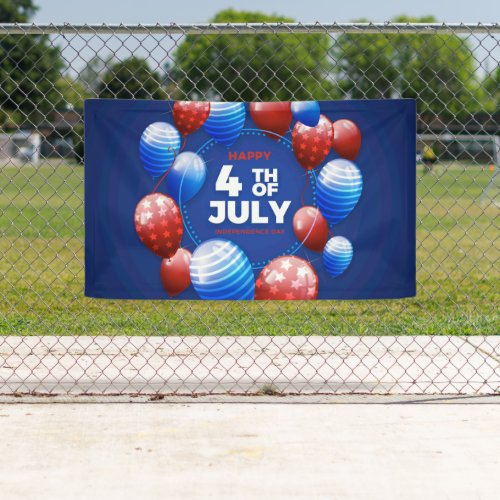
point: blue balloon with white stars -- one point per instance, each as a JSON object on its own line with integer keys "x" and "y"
{"x": 337, "y": 255}
{"x": 160, "y": 143}
{"x": 225, "y": 121}
{"x": 220, "y": 270}
{"x": 186, "y": 177}
{"x": 306, "y": 112}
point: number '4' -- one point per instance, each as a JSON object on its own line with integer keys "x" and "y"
{"x": 226, "y": 183}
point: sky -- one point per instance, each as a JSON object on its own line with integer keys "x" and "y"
{"x": 199, "y": 11}
{"x": 79, "y": 51}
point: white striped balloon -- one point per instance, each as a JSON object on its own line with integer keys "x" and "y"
{"x": 337, "y": 255}
{"x": 160, "y": 143}
{"x": 225, "y": 121}
{"x": 220, "y": 270}
{"x": 339, "y": 188}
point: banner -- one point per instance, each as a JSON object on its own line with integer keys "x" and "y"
{"x": 250, "y": 201}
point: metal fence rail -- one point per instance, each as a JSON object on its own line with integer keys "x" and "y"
{"x": 248, "y": 28}
{"x": 53, "y": 340}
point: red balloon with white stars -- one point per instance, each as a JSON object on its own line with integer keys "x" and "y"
{"x": 158, "y": 223}
{"x": 311, "y": 145}
{"x": 287, "y": 278}
{"x": 189, "y": 116}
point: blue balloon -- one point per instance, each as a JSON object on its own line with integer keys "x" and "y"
{"x": 186, "y": 176}
{"x": 160, "y": 143}
{"x": 339, "y": 187}
{"x": 337, "y": 255}
{"x": 306, "y": 112}
{"x": 225, "y": 121}
{"x": 221, "y": 271}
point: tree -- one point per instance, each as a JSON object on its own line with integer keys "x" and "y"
{"x": 253, "y": 67}
{"x": 91, "y": 76}
{"x": 365, "y": 68}
{"x": 71, "y": 93}
{"x": 491, "y": 87}
{"x": 16, "y": 11}
{"x": 436, "y": 70}
{"x": 29, "y": 67}
{"x": 131, "y": 79}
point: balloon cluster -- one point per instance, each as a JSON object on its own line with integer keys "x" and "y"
{"x": 339, "y": 182}
{"x": 339, "y": 188}
{"x": 158, "y": 219}
{"x": 218, "y": 268}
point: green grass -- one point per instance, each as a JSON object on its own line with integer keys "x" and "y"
{"x": 41, "y": 256}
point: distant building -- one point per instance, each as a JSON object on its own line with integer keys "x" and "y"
{"x": 57, "y": 133}
{"x": 469, "y": 138}
{"x": 52, "y": 138}
{"x": 20, "y": 147}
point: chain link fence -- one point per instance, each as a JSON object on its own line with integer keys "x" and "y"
{"x": 53, "y": 340}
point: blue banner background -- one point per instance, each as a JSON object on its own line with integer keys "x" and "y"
{"x": 381, "y": 227}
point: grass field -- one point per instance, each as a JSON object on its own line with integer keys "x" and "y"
{"x": 41, "y": 266}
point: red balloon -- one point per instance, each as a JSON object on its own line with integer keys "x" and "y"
{"x": 346, "y": 139}
{"x": 310, "y": 228}
{"x": 311, "y": 145}
{"x": 287, "y": 278}
{"x": 174, "y": 272}
{"x": 189, "y": 116}
{"x": 273, "y": 116}
{"x": 158, "y": 223}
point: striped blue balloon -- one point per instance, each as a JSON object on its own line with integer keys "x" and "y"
{"x": 337, "y": 255}
{"x": 160, "y": 143}
{"x": 339, "y": 187}
{"x": 221, "y": 271}
{"x": 225, "y": 121}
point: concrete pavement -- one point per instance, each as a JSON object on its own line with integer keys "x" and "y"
{"x": 309, "y": 365}
{"x": 309, "y": 451}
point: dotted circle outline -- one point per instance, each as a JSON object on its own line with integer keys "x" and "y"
{"x": 184, "y": 209}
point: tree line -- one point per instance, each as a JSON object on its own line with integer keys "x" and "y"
{"x": 440, "y": 71}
